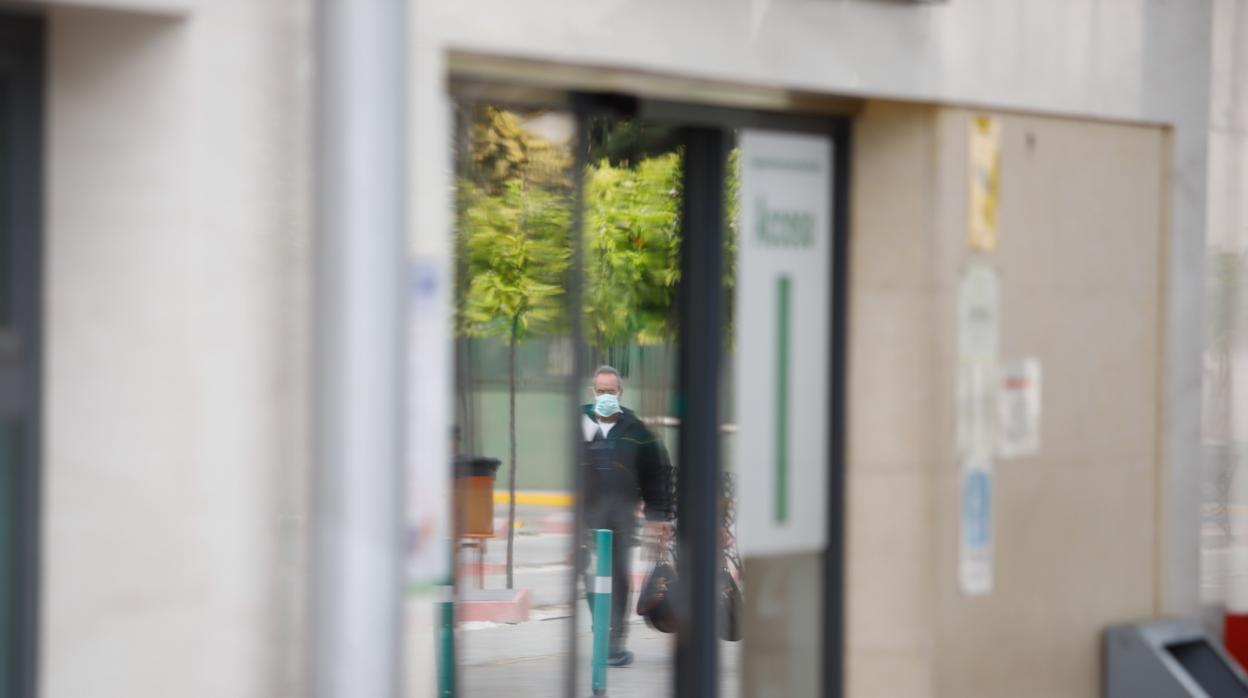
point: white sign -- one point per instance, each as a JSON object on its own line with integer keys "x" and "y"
{"x": 1018, "y": 418}
{"x": 978, "y": 346}
{"x": 783, "y": 297}
{"x": 979, "y": 301}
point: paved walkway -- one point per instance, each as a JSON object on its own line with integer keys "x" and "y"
{"x": 530, "y": 659}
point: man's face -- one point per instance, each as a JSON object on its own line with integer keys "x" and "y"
{"x": 605, "y": 383}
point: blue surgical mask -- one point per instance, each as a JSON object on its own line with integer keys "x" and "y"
{"x": 606, "y": 405}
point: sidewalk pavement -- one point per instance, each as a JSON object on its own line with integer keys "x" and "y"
{"x": 529, "y": 659}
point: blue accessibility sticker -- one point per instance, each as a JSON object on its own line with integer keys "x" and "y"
{"x": 977, "y": 509}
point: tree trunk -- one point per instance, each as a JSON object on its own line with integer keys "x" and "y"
{"x": 511, "y": 471}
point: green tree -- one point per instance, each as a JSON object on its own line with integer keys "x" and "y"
{"x": 515, "y": 216}
{"x": 632, "y": 242}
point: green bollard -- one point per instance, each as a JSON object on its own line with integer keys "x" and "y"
{"x": 446, "y": 636}
{"x": 602, "y": 610}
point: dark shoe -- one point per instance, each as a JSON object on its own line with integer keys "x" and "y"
{"x": 620, "y": 658}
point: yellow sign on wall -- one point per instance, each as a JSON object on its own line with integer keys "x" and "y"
{"x": 985, "y": 183}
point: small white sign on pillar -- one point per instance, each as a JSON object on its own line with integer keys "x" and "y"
{"x": 783, "y": 296}
{"x": 1018, "y": 415}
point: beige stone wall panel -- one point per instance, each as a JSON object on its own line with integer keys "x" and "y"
{"x": 1077, "y": 526}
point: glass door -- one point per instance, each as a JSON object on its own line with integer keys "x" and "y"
{"x": 600, "y": 329}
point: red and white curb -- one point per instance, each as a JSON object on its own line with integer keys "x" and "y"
{"x": 495, "y": 606}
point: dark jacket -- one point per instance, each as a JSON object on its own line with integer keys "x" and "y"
{"x": 628, "y": 466}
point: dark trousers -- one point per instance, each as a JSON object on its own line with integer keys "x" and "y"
{"x": 623, "y": 535}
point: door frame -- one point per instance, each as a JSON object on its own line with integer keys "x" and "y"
{"x": 22, "y": 41}
{"x": 699, "y": 121}
{"x": 702, "y": 126}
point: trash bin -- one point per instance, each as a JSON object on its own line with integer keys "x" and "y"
{"x": 1168, "y": 659}
{"x": 474, "y": 495}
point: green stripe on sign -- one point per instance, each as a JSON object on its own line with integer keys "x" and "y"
{"x": 782, "y": 400}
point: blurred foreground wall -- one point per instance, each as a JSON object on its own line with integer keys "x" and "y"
{"x": 176, "y": 259}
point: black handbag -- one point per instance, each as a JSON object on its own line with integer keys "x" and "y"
{"x": 656, "y": 602}
{"x": 657, "y": 599}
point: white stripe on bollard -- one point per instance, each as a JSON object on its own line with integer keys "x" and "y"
{"x": 446, "y": 593}
{"x": 602, "y": 585}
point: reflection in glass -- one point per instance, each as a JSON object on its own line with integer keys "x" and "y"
{"x": 515, "y": 212}
{"x": 514, "y": 198}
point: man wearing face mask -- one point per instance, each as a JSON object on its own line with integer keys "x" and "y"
{"x": 625, "y": 464}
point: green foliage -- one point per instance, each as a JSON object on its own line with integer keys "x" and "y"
{"x": 515, "y": 218}
{"x": 514, "y": 233}
{"x": 632, "y": 244}
{"x": 517, "y": 252}
{"x": 732, "y": 232}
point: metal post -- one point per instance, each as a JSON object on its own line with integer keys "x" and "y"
{"x": 23, "y": 42}
{"x": 360, "y": 199}
{"x": 575, "y": 385}
{"x": 698, "y": 489}
{"x": 446, "y": 633}
{"x": 602, "y": 609}
{"x": 834, "y": 559}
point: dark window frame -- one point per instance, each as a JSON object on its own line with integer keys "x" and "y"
{"x": 22, "y": 60}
